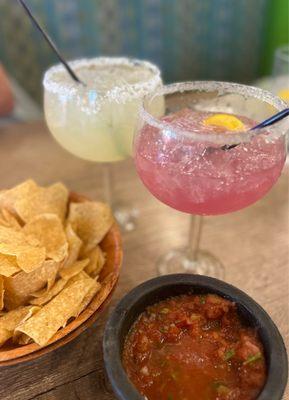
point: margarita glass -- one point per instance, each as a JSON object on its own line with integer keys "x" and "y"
{"x": 96, "y": 121}
{"x": 280, "y": 80}
{"x": 278, "y": 83}
{"x": 281, "y": 62}
{"x": 187, "y": 164}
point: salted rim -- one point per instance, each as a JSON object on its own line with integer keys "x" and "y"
{"x": 222, "y": 88}
{"x": 71, "y": 88}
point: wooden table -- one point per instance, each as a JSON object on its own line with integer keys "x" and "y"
{"x": 253, "y": 245}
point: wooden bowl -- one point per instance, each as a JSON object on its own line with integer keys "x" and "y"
{"x": 112, "y": 246}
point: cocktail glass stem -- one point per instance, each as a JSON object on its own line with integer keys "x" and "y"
{"x": 125, "y": 214}
{"x": 191, "y": 259}
{"x": 196, "y": 225}
{"x": 107, "y": 183}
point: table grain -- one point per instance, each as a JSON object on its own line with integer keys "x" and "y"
{"x": 252, "y": 244}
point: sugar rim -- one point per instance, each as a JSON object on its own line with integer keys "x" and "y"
{"x": 71, "y": 88}
{"x": 221, "y": 87}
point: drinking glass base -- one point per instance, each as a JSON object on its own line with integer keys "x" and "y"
{"x": 181, "y": 261}
{"x": 126, "y": 216}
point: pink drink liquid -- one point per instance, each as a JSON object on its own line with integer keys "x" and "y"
{"x": 180, "y": 173}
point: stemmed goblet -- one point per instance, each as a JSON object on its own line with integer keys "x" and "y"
{"x": 187, "y": 159}
{"x": 95, "y": 120}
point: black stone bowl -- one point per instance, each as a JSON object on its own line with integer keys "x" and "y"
{"x": 152, "y": 291}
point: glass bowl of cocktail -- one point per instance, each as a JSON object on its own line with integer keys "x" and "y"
{"x": 187, "y": 159}
{"x": 96, "y": 121}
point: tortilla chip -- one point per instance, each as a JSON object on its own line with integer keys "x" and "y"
{"x": 50, "y": 200}
{"x": 49, "y": 262}
{"x": 48, "y": 229}
{"x": 5, "y": 335}
{"x": 10, "y": 320}
{"x": 9, "y": 197}
{"x": 31, "y": 258}
{"x": 55, "y": 314}
{"x": 11, "y": 219}
{"x": 74, "y": 246}
{"x": 3, "y": 222}
{"x": 15, "y": 243}
{"x": 1, "y": 292}
{"x": 96, "y": 262}
{"x": 69, "y": 272}
{"x": 9, "y": 235}
{"x": 13, "y": 236}
{"x": 20, "y": 287}
{"x": 19, "y": 337}
{"x": 22, "y": 339}
{"x": 91, "y": 221}
{"x": 44, "y": 296}
{"x": 28, "y": 258}
{"x": 8, "y": 265}
{"x": 88, "y": 297}
{"x": 107, "y": 285}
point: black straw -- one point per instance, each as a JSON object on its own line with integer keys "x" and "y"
{"x": 50, "y": 42}
{"x": 269, "y": 121}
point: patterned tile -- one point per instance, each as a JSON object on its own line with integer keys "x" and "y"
{"x": 188, "y": 39}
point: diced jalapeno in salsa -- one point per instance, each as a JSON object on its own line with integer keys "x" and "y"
{"x": 194, "y": 347}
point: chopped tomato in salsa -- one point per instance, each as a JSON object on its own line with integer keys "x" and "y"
{"x": 194, "y": 347}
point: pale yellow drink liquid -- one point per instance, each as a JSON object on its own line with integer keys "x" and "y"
{"x": 97, "y": 121}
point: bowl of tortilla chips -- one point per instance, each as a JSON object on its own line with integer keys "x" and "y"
{"x": 60, "y": 258}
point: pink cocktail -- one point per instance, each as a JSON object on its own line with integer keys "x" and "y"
{"x": 199, "y": 177}
{"x": 187, "y": 161}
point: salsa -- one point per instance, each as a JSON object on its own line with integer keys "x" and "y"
{"x": 194, "y": 347}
